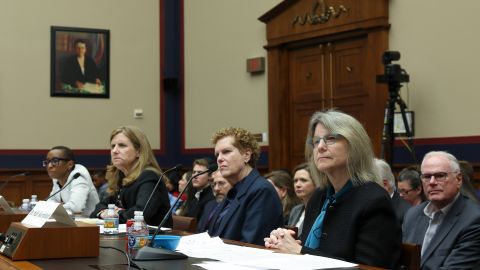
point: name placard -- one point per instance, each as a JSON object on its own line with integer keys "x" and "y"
{"x": 4, "y": 205}
{"x": 44, "y": 211}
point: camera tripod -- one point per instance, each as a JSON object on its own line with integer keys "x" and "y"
{"x": 388, "y": 136}
{"x": 393, "y": 75}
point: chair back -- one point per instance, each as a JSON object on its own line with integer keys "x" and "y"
{"x": 410, "y": 258}
{"x": 188, "y": 224}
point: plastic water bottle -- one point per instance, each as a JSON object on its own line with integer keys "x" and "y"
{"x": 137, "y": 236}
{"x": 25, "y": 205}
{"x": 129, "y": 224}
{"x": 33, "y": 202}
{"x": 110, "y": 225}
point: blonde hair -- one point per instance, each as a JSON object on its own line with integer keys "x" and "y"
{"x": 146, "y": 159}
{"x": 360, "y": 166}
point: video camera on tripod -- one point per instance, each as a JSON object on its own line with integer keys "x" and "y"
{"x": 393, "y": 73}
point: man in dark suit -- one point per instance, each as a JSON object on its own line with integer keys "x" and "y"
{"x": 220, "y": 189}
{"x": 447, "y": 227}
{"x": 201, "y": 184}
{"x": 388, "y": 183}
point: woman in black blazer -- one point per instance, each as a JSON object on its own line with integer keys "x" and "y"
{"x": 132, "y": 178}
{"x": 349, "y": 217}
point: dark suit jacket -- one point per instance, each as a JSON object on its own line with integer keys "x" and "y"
{"x": 360, "y": 227}
{"x": 71, "y": 71}
{"x": 400, "y": 206}
{"x": 207, "y": 215}
{"x": 253, "y": 212}
{"x": 456, "y": 244}
{"x": 196, "y": 208}
{"x": 134, "y": 198}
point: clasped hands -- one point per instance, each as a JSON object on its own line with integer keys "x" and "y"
{"x": 283, "y": 240}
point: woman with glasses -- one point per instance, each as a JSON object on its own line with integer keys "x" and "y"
{"x": 132, "y": 178}
{"x": 350, "y": 216}
{"x": 410, "y": 186}
{"x": 72, "y": 184}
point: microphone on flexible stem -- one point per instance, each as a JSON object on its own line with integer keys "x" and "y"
{"x": 176, "y": 168}
{"x": 149, "y": 253}
{"x": 13, "y": 176}
{"x": 75, "y": 176}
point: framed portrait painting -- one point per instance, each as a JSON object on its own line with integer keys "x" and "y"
{"x": 79, "y": 62}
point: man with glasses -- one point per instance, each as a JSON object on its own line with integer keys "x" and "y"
{"x": 220, "y": 188}
{"x": 448, "y": 225}
{"x": 72, "y": 185}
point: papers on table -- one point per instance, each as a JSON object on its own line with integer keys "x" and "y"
{"x": 238, "y": 257}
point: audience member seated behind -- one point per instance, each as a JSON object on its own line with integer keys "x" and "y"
{"x": 202, "y": 186}
{"x": 351, "y": 217}
{"x": 283, "y": 184}
{"x": 410, "y": 186}
{"x": 78, "y": 194}
{"x": 304, "y": 188}
{"x": 132, "y": 177}
{"x": 220, "y": 189}
{"x": 387, "y": 181}
{"x": 100, "y": 183}
{"x": 252, "y": 208}
{"x": 447, "y": 227}
{"x": 467, "y": 188}
{"x": 188, "y": 196}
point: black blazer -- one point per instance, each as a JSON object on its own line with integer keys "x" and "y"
{"x": 360, "y": 227}
{"x": 196, "y": 208}
{"x": 134, "y": 197}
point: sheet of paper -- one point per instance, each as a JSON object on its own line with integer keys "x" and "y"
{"x": 203, "y": 246}
{"x": 223, "y": 265}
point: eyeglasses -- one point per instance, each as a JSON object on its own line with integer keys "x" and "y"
{"x": 439, "y": 176}
{"x": 219, "y": 184}
{"x": 328, "y": 139}
{"x": 404, "y": 192}
{"x": 54, "y": 161}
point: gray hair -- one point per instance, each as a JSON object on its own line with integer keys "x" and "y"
{"x": 454, "y": 165}
{"x": 360, "y": 166}
{"x": 385, "y": 172}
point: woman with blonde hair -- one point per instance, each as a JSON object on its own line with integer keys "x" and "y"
{"x": 132, "y": 177}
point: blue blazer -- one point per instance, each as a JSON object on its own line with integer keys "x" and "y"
{"x": 456, "y": 244}
{"x": 254, "y": 211}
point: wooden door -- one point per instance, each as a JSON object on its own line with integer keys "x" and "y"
{"x": 315, "y": 65}
{"x": 323, "y": 76}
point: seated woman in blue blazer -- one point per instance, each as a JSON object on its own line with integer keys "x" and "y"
{"x": 349, "y": 217}
{"x": 251, "y": 208}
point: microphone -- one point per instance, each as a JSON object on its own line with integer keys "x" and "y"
{"x": 13, "y": 176}
{"x": 149, "y": 253}
{"x": 75, "y": 176}
{"x": 176, "y": 168}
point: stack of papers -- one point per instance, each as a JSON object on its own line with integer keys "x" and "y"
{"x": 238, "y": 257}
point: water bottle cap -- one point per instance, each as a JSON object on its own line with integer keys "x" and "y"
{"x": 34, "y": 196}
{"x": 25, "y": 200}
{"x": 111, "y": 206}
{"x": 138, "y": 213}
